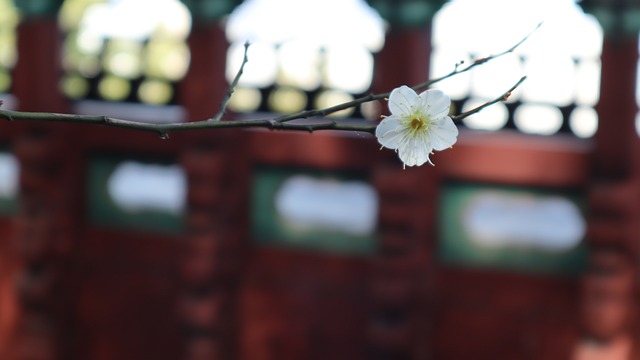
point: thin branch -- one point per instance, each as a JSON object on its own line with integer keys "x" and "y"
{"x": 332, "y": 109}
{"x": 503, "y": 97}
{"x": 373, "y": 97}
{"x": 232, "y": 86}
{"x": 163, "y": 129}
{"x": 476, "y": 62}
{"x": 284, "y": 122}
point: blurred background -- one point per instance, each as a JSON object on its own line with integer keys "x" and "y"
{"x": 521, "y": 243}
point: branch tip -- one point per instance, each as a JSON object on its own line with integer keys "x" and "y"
{"x": 500, "y": 98}
{"x": 232, "y": 86}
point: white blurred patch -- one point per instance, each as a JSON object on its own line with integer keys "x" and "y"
{"x": 9, "y": 176}
{"x": 551, "y": 223}
{"x": 136, "y": 19}
{"x": 278, "y": 21}
{"x": 9, "y": 102}
{"x": 307, "y": 204}
{"x": 135, "y": 187}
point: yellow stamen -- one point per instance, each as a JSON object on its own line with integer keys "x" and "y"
{"x": 417, "y": 123}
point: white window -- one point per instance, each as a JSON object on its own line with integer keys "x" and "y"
{"x": 124, "y": 50}
{"x": 561, "y": 60}
{"x": 304, "y": 54}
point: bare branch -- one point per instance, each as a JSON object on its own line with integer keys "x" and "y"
{"x": 503, "y": 97}
{"x": 232, "y": 86}
{"x": 284, "y": 122}
{"x": 373, "y": 97}
{"x": 475, "y": 63}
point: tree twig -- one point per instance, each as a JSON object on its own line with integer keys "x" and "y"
{"x": 163, "y": 129}
{"x": 503, "y": 97}
{"x": 232, "y": 86}
{"x": 477, "y": 62}
{"x": 284, "y": 122}
{"x": 423, "y": 86}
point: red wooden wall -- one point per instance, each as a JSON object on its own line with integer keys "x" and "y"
{"x": 71, "y": 290}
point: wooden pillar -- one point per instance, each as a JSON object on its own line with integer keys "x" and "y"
{"x": 204, "y": 86}
{"x": 37, "y": 73}
{"x": 612, "y": 185}
{"x": 210, "y": 263}
{"x": 46, "y": 234}
{"x": 399, "y": 321}
{"x": 617, "y": 108}
{"x": 398, "y": 327}
{"x": 50, "y": 195}
{"x": 404, "y": 60}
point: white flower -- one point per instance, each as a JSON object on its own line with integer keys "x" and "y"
{"x": 418, "y": 124}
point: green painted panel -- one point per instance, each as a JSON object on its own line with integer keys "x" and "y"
{"x": 617, "y": 19}
{"x": 136, "y": 193}
{"x": 407, "y": 13}
{"x": 507, "y": 227}
{"x": 8, "y": 205}
{"x": 333, "y": 212}
{"x": 210, "y": 10}
{"x": 38, "y": 8}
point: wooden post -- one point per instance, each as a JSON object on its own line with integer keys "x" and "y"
{"x": 204, "y": 86}
{"x": 404, "y": 60}
{"x": 617, "y": 108}
{"x": 50, "y": 195}
{"x": 37, "y": 73}
{"x": 398, "y": 326}
{"x": 612, "y": 184}
{"x": 46, "y": 233}
{"x": 210, "y": 263}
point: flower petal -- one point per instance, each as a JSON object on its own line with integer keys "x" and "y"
{"x": 435, "y": 102}
{"x": 390, "y": 132}
{"x": 443, "y": 134}
{"x": 402, "y": 100}
{"x": 415, "y": 152}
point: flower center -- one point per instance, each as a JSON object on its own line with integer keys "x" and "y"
{"x": 417, "y": 123}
